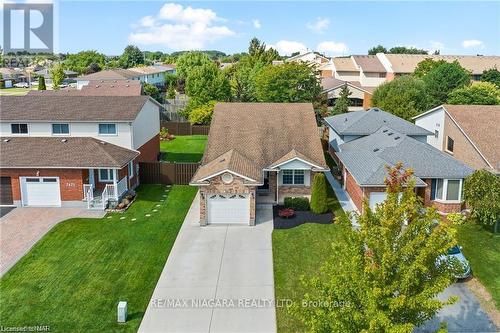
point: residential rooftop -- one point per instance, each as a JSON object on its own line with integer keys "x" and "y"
{"x": 98, "y": 88}
{"x": 62, "y": 152}
{"x": 369, "y": 63}
{"x": 368, "y": 122}
{"x": 366, "y": 158}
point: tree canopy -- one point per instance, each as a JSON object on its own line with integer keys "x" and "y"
{"x": 384, "y": 276}
{"x": 443, "y": 79}
{"x": 189, "y": 61}
{"x": 153, "y": 91}
{"x": 491, "y": 75}
{"x": 482, "y": 195}
{"x": 377, "y": 49}
{"x": 131, "y": 57}
{"x": 425, "y": 66}
{"x": 405, "y": 97}
{"x": 289, "y": 82}
{"x": 342, "y": 103}
{"x": 396, "y": 50}
{"x": 85, "y": 62}
{"x": 480, "y": 93}
{"x": 57, "y": 76}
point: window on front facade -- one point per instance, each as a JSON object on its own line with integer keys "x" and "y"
{"x": 293, "y": 177}
{"x": 130, "y": 170}
{"x": 436, "y": 134}
{"x": 453, "y": 190}
{"x": 449, "y": 144}
{"x": 19, "y": 128}
{"x": 107, "y": 129}
{"x": 60, "y": 129}
{"x": 105, "y": 175}
{"x": 445, "y": 189}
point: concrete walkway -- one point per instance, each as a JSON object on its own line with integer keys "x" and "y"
{"x": 216, "y": 279}
{"x": 344, "y": 198}
{"x": 21, "y": 228}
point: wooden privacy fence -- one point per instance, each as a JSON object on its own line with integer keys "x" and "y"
{"x": 167, "y": 173}
{"x": 183, "y": 128}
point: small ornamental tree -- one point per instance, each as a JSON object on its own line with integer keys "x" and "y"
{"x": 202, "y": 115}
{"x": 41, "y": 83}
{"x": 342, "y": 103}
{"x": 152, "y": 91}
{"x": 482, "y": 195}
{"x": 319, "y": 194}
{"x": 171, "y": 92}
{"x": 480, "y": 93}
{"x": 57, "y": 76}
{"x": 385, "y": 275}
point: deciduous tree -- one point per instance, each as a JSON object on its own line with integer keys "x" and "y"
{"x": 425, "y": 66}
{"x": 384, "y": 276}
{"x": 482, "y": 195}
{"x": 491, "y": 75}
{"x": 189, "y": 61}
{"x": 202, "y": 115}
{"x": 131, "y": 57}
{"x": 443, "y": 79}
{"x": 85, "y": 62}
{"x": 480, "y": 93}
{"x": 153, "y": 91}
{"x": 57, "y": 76}
{"x": 377, "y": 49}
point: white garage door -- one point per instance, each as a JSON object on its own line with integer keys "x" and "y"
{"x": 376, "y": 198}
{"x": 40, "y": 191}
{"x": 228, "y": 209}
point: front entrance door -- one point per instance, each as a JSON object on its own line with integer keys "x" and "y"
{"x": 265, "y": 187}
{"x": 91, "y": 178}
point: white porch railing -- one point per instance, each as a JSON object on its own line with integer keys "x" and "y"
{"x": 107, "y": 193}
{"x": 121, "y": 187}
{"x": 86, "y": 189}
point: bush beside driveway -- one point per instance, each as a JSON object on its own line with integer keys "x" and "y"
{"x": 72, "y": 279}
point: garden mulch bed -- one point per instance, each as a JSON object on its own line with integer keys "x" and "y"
{"x": 300, "y": 218}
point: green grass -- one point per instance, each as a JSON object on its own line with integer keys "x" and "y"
{"x": 482, "y": 248}
{"x": 300, "y": 251}
{"x": 186, "y": 148}
{"x": 73, "y": 277}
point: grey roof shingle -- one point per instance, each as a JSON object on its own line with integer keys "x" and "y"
{"x": 368, "y": 122}
{"x": 62, "y": 152}
{"x": 38, "y": 107}
{"x": 366, "y": 157}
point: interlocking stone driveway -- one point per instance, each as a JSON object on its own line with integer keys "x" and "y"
{"x": 23, "y": 227}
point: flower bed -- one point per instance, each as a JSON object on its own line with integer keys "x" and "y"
{"x": 299, "y": 218}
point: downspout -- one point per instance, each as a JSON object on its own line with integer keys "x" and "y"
{"x": 277, "y": 186}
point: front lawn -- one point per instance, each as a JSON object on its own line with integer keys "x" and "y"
{"x": 74, "y": 277}
{"x": 482, "y": 248}
{"x": 297, "y": 252}
{"x": 184, "y": 148}
{"x": 15, "y": 91}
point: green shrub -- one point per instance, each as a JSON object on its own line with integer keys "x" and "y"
{"x": 297, "y": 203}
{"x": 319, "y": 194}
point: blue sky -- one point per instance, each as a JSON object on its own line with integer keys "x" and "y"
{"x": 335, "y": 28}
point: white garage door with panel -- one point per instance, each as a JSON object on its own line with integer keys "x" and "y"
{"x": 40, "y": 191}
{"x": 228, "y": 209}
{"x": 377, "y": 198}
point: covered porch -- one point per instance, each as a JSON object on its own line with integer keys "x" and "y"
{"x": 105, "y": 185}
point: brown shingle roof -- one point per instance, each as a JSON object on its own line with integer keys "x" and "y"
{"x": 406, "y": 63}
{"x": 343, "y": 64}
{"x": 260, "y": 134}
{"x": 98, "y": 88}
{"x": 52, "y": 152}
{"x": 110, "y": 74}
{"x": 331, "y": 82}
{"x": 481, "y": 124}
{"x": 369, "y": 63}
{"x": 70, "y": 108}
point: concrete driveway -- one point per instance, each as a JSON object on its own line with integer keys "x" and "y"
{"x": 466, "y": 315}
{"x": 21, "y": 228}
{"x": 216, "y": 279}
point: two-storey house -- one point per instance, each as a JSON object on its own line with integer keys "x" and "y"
{"x": 74, "y": 150}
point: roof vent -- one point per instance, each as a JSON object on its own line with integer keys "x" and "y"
{"x": 397, "y": 138}
{"x": 127, "y": 85}
{"x": 222, "y": 160}
{"x": 376, "y": 110}
{"x": 112, "y": 86}
{"x": 376, "y": 149}
{"x": 345, "y": 120}
{"x": 390, "y": 134}
{"x": 64, "y": 140}
{"x": 384, "y": 131}
{"x": 102, "y": 143}
{"x": 6, "y": 140}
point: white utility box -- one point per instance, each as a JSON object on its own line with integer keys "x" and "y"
{"x": 122, "y": 311}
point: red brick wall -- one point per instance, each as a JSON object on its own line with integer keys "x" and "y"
{"x": 70, "y": 181}
{"x": 440, "y": 206}
{"x": 367, "y": 100}
{"x": 121, "y": 173}
{"x": 355, "y": 192}
{"x": 150, "y": 150}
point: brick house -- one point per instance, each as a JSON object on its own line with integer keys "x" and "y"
{"x": 257, "y": 153}
{"x": 74, "y": 150}
{"x": 364, "y": 143}
{"x": 360, "y": 98}
{"x": 469, "y": 133}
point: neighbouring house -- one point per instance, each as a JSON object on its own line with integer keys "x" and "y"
{"x": 360, "y": 98}
{"x": 147, "y": 74}
{"x": 98, "y": 88}
{"x": 10, "y": 76}
{"x": 309, "y": 57}
{"x": 247, "y": 162}
{"x": 364, "y": 143}
{"x": 470, "y": 133}
{"x": 74, "y": 150}
{"x": 372, "y": 72}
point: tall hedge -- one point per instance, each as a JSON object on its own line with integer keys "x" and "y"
{"x": 319, "y": 195}
{"x": 41, "y": 83}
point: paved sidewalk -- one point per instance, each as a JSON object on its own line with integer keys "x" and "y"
{"x": 21, "y": 228}
{"x": 216, "y": 263}
{"x": 344, "y": 198}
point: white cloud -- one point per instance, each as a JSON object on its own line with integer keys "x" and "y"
{"x": 319, "y": 26}
{"x": 332, "y": 48}
{"x": 472, "y": 43}
{"x": 287, "y": 47}
{"x": 256, "y": 24}
{"x": 180, "y": 28}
